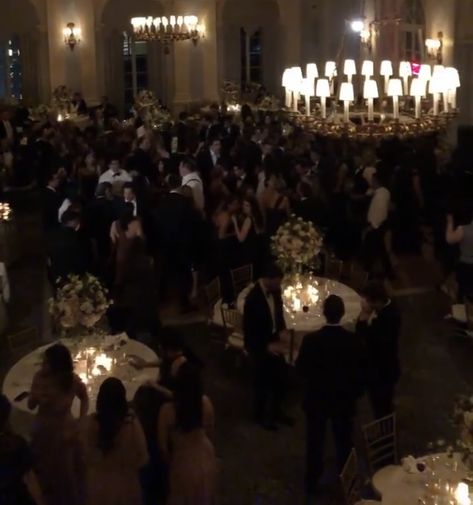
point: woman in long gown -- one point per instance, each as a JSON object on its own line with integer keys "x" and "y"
{"x": 184, "y": 430}
{"x": 275, "y": 205}
{"x": 55, "y": 436}
{"x": 114, "y": 449}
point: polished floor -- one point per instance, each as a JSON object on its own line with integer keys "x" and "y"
{"x": 257, "y": 467}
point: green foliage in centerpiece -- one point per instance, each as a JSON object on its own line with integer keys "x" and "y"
{"x": 79, "y": 302}
{"x": 296, "y": 245}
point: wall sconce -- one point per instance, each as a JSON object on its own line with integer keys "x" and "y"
{"x": 435, "y": 48}
{"x": 358, "y": 26}
{"x": 71, "y": 35}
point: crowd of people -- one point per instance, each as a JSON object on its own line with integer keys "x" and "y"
{"x": 155, "y": 215}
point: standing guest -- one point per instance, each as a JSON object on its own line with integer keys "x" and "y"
{"x": 68, "y": 249}
{"x": 129, "y": 196}
{"x": 274, "y": 203}
{"x": 123, "y": 232}
{"x": 147, "y": 404}
{"x": 209, "y": 158}
{"x": 140, "y": 161}
{"x": 7, "y": 130}
{"x": 379, "y": 325}
{"x": 18, "y": 482}
{"x": 191, "y": 179}
{"x": 185, "y": 428}
{"x": 114, "y": 449}
{"x": 264, "y": 327}
{"x": 51, "y": 202}
{"x": 463, "y": 236}
{"x": 115, "y": 175}
{"x": 109, "y": 112}
{"x": 329, "y": 362}
{"x": 374, "y": 242}
{"x": 55, "y": 436}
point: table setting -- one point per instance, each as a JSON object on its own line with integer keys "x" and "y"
{"x": 96, "y": 357}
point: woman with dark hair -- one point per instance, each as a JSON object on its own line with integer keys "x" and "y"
{"x": 147, "y": 404}
{"x": 114, "y": 449}
{"x": 55, "y": 436}
{"x": 123, "y": 233}
{"x": 184, "y": 430}
{"x": 18, "y": 483}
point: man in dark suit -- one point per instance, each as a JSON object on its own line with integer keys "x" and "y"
{"x": 329, "y": 362}
{"x": 51, "y": 202}
{"x": 176, "y": 222}
{"x": 208, "y": 158}
{"x": 68, "y": 251}
{"x": 379, "y": 325}
{"x": 263, "y": 325}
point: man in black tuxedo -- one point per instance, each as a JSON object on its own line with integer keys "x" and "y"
{"x": 176, "y": 222}
{"x": 68, "y": 249}
{"x": 51, "y": 202}
{"x": 208, "y": 158}
{"x": 379, "y": 325}
{"x": 79, "y": 103}
{"x": 329, "y": 362}
{"x": 264, "y": 325}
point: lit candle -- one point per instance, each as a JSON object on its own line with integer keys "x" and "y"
{"x": 347, "y": 95}
{"x": 370, "y": 92}
{"x": 462, "y": 494}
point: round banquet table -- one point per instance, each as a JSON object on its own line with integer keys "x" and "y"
{"x": 20, "y": 376}
{"x": 305, "y": 322}
{"x": 396, "y": 486}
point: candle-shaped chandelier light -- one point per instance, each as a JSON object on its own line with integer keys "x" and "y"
{"x": 164, "y": 29}
{"x": 420, "y": 104}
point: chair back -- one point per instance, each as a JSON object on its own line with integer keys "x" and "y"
{"x": 213, "y": 293}
{"x": 241, "y": 277}
{"x": 233, "y": 324}
{"x": 350, "y": 479}
{"x": 380, "y": 439}
{"x": 21, "y": 343}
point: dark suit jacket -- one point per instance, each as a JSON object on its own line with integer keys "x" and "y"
{"x": 330, "y": 363}
{"x": 51, "y": 203}
{"x": 68, "y": 253}
{"x": 174, "y": 222}
{"x": 381, "y": 340}
{"x": 257, "y": 320}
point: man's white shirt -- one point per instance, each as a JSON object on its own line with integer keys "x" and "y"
{"x": 194, "y": 182}
{"x": 110, "y": 176}
{"x": 379, "y": 207}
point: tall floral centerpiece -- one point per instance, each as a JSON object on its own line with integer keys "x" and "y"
{"x": 80, "y": 303}
{"x": 296, "y": 245}
{"x": 61, "y": 101}
{"x": 463, "y": 418}
{"x": 148, "y": 108}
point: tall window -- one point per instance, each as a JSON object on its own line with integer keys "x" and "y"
{"x": 10, "y": 69}
{"x": 251, "y": 56}
{"x": 135, "y": 65}
{"x": 412, "y": 31}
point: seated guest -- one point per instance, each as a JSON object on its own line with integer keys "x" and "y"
{"x": 55, "y": 436}
{"x": 147, "y": 404}
{"x": 114, "y": 449}
{"x": 68, "y": 249}
{"x": 115, "y": 174}
{"x": 79, "y": 104}
{"x": 18, "y": 482}
{"x": 329, "y": 362}
{"x": 264, "y": 325}
{"x": 185, "y": 428}
{"x": 379, "y": 325}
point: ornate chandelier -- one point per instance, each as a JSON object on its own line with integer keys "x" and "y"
{"x": 418, "y": 101}
{"x": 162, "y": 29}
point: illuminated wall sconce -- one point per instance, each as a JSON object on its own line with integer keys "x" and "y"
{"x": 71, "y": 35}
{"x": 435, "y": 48}
{"x": 358, "y": 26}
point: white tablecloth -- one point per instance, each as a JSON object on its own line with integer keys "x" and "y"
{"x": 313, "y": 320}
{"x": 397, "y": 487}
{"x": 20, "y": 376}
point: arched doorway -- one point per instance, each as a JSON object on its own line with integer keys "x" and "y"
{"x": 130, "y": 66}
{"x": 20, "y": 46}
{"x": 250, "y": 38}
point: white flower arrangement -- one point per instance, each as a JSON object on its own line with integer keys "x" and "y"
{"x": 463, "y": 418}
{"x": 61, "y": 98}
{"x": 41, "y": 112}
{"x": 296, "y": 244}
{"x": 269, "y": 103}
{"x": 145, "y": 98}
{"x": 79, "y": 301}
{"x": 148, "y": 108}
{"x": 230, "y": 92}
